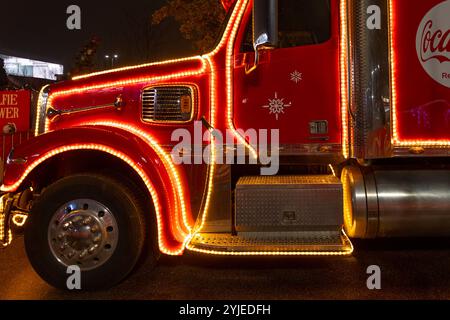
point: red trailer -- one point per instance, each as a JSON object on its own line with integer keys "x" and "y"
{"x": 15, "y": 116}
{"x": 354, "y": 94}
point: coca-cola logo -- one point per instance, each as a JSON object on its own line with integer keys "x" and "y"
{"x": 433, "y": 43}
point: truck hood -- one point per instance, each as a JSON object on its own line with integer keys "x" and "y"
{"x": 127, "y": 75}
{"x": 102, "y": 89}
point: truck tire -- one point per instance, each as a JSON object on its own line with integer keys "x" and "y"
{"x": 90, "y": 223}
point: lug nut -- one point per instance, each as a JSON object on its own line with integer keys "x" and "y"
{"x": 97, "y": 239}
{"x": 95, "y": 229}
{"x": 87, "y": 221}
{"x": 70, "y": 255}
{"x": 83, "y": 254}
{"x": 93, "y": 248}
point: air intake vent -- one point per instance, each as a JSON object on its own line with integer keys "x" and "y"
{"x": 168, "y": 104}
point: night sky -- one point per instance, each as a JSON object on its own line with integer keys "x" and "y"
{"x": 37, "y": 30}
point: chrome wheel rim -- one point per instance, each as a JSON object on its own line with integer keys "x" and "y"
{"x": 83, "y": 232}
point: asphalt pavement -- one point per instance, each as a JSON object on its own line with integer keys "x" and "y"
{"x": 410, "y": 269}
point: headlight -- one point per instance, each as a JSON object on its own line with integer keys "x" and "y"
{"x": 39, "y": 126}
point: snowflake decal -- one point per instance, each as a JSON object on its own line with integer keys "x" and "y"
{"x": 296, "y": 76}
{"x": 276, "y": 106}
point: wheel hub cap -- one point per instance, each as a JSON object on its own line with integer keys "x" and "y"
{"x": 83, "y": 232}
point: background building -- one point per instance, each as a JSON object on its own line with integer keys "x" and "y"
{"x": 23, "y": 71}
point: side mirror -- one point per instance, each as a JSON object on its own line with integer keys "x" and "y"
{"x": 265, "y": 27}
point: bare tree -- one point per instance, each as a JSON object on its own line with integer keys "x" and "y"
{"x": 200, "y": 20}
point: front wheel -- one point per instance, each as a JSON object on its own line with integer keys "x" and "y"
{"x": 89, "y": 221}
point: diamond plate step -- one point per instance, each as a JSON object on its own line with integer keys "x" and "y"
{"x": 272, "y": 243}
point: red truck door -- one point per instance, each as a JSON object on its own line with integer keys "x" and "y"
{"x": 295, "y": 87}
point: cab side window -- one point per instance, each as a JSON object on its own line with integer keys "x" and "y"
{"x": 301, "y": 23}
{"x": 304, "y": 22}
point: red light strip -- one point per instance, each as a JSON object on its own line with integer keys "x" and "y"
{"x": 145, "y": 65}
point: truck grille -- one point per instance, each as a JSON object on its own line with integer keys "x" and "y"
{"x": 168, "y": 104}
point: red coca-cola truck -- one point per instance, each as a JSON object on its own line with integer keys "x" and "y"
{"x": 354, "y": 95}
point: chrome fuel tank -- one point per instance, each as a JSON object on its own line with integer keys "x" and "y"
{"x": 396, "y": 202}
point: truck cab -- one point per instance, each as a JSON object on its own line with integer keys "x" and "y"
{"x": 311, "y": 123}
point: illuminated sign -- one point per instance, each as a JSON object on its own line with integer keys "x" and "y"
{"x": 433, "y": 43}
{"x": 15, "y": 110}
{"x": 31, "y": 68}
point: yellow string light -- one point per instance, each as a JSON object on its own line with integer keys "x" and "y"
{"x": 344, "y": 77}
{"x": 161, "y": 241}
{"x": 126, "y": 82}
{"x": 207, "y": 62}
{"x": 166, "y": 159}
{"x": 38, "y": 110}
{"x": 129, "y": 68}
{"x": 348, "y": 251}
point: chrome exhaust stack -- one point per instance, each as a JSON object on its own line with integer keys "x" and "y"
{"x": 381, "y": 203}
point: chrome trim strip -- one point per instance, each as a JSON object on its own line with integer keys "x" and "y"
{"x": 51, "y": 112}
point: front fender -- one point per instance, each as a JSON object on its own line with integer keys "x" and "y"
{"x": 145, "y": 158}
